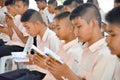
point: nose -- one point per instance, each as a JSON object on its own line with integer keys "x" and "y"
{"x": 108, "y": 39}
{"x": 75, "y": 31}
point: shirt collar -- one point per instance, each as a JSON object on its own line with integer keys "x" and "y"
{"x": 70, "y": 44}
{"x": 96, "y": 45}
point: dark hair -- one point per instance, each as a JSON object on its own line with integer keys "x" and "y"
{"x": 31, "y": 15}
{"x": 26, "y": 2}
{"x": 117, "y": 1}
{"x": 41, "y": 1}
{"x": 52, "y": 2}
{"x": 92, "y": 1}
{"x": 62, "y": 15}
{"x": 69, "y": 2}
{"x": 9, "y": 2}
{"x": 86, "y": 11}
{"x": 59, "y": 7}
{"x": 113, "y": 16}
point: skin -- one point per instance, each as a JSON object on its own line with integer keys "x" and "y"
{"x": 86, "y": 32}
{"x": 63, "y": 28}
{"x": 51, "y": 9}
{"x": 113, "y": 39}
{"x": 20, "y": 7}
{"x": 41, "y": 5}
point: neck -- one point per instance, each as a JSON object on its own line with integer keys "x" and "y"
{"x": 70, "y": 38}
{"x": 42, "y": 30}
{"x": 97, "y": 35}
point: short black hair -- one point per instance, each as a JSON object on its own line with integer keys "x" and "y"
{"x": 31, "y": 15}
{"x": 26, "y": 2}
{"x": 59, "y": 7}
{"x": 113, "y": 16}
{"x": 92, "y": 1}
{"x": 86, "y": 11}
{"x": 62, "y": 15}
{"x": 52, "y": 2}
{"x": 117, "y": 1}
{"x": 9, "y": 2}
{"x": 41, "y": 1}
{"x": 69, "y": 2}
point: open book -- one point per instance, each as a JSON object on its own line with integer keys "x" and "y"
{"x": 47, "y": 52}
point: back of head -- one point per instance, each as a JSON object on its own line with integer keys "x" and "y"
{"x": 93, "y": 1}
{"x": 113, "y": 16}
{"x": 60, "y": 8}
{"x": 31, "y": 15}
{"x": 52, "y": 2}
{"x": 88, "y": 12}
{"x": 25, "y": 2}
{"x": 41, "y": 1}
{"x": 9, "y": 2}
{"x": 72, "y": 3}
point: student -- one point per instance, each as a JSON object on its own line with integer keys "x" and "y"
{"x": 59, "y": 9}
{"x": 116, "y": 3}
{"x": 35, "y": 26}
{"x": 70, "y": 51}
{"x": 113, "y": 39}
{"x": 52, "y": 4}
{"x": 15, "y": 30}
{"x": 70, "y": 5}
{"x": 96, "y": 62}
{"x": 42, "y": 5}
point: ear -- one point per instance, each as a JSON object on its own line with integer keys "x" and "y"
{"x": 93, "y": 23}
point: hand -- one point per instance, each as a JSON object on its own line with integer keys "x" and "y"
{"x": 57, "y": 69}
{"x": 9, "y": 22}
{"x": 40, "y": 61}
{"x": 30, "y": 60}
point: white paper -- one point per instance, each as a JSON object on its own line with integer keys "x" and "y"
{"x": 20, "y": 56}
{"x": 52, "y": 54}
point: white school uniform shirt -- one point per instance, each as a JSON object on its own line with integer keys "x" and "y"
{"x": 70, "y": 53}
{"x": 48, "y": 40}
{"x": 97, "y": 63}
{"x": 15, "y": 38}
{"x": 3, "y": 36}
{"x": 44, "y": 13}
{"x": 117, "y": 71}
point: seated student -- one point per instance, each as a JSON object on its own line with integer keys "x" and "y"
{"x": 15, "y": 30}
{"x": 96, "y": 62}
{"x": 35, "y": 26}
{"x": 3, "y": 37}
{"x": 70, "y": 51}
{"x": 52, "y": 4}
{"x": 113, "y": 39}
{"x": 43, "y": 9}
{"x": 70, "y": 5}
{"x": 116, "y": 3}
{"x": 59, "y": 9}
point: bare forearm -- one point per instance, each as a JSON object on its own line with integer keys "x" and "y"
{"x": 20, "y": 34}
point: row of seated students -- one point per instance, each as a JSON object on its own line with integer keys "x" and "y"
{"x": 89, "y": 61}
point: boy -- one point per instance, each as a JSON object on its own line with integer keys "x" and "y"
{"x": 42, "y": 5}
{"x": 15, "y": 30}
{"x": 70, "y": 51}
{"x": 113, "y": 39}
{"x": 35, "y": 26}
{"x": 96, "y": 62}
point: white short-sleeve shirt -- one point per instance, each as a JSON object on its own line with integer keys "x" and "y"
{"x": 97, "y": 63}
